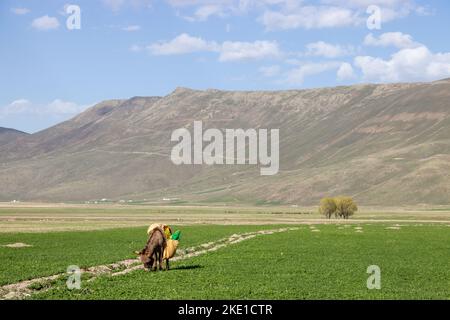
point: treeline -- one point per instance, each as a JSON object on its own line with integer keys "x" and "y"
{"x": 340, "y": 207}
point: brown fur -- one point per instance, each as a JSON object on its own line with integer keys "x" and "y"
{"x": 153, "y": 252}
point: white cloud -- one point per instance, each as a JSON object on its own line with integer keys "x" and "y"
{"x": 20, "y": 11}
{"x": 117, "y": 5}
{"x": 228, "y": 50}
{"x": 45, "y": 23}
{"x": 298, "y": 75}
{"x": 236, "y": 7}
{"x": 365, "y": 3}
{"x": 63, "y": 107}
{"x": 114, "y": 5}
{"x": 327, "y": 50}
{"x": 233, "y": 51}
{"x": 17, "y": 106}
{"x": 292, "y": 14}
{"x": 310, "y": 17}
{"x": 135, "y": 48}
{"x": 182, "y": 44}
{"x": 409, "y": 64}
{"x": 204, "y": 12}
{"x": 269, "y": 71}
{"x": 27, "y": 116}
{"x": 278, "y": 14}
{"x": 56, "y": 107}
{"x": 204, "y": 9}
{"x": 425, "y": 11}
{"x": 345, "y": 72}
{"x": 396, "y": 39}
{"x": 390, "y": 9}
{"x": 189, "y": 3}
{"x": 132, "y": 28}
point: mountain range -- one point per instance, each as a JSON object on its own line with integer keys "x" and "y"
{"x": 383, "y": 144}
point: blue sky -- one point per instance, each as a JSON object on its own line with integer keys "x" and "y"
{"x": 149, "y": 47}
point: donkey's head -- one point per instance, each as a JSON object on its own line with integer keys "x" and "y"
{"x": 146, "y": 257}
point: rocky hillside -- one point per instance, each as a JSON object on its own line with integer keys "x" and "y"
{"x": 8, "y": 135}
{"x": 383, "y": 144}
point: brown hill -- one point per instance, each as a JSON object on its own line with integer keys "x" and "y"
{"x": 383, "y": 144}
{"x": 8, "y": 135}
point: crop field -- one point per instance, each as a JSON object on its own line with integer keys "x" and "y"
{"x": 302, "y": 259}
{"x": 63, "y": 217}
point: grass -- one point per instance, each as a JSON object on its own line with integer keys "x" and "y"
{"x": 53, "y": 252}
{"x": 330, "y": 264}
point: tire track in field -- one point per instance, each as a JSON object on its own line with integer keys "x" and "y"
{"x": 24, "y": 289}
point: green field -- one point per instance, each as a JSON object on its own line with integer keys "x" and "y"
{"x": 51, "y": 253}
{"x": 299, "y": 264}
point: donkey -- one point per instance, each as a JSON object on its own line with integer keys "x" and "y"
{"x": 153, "y": 252}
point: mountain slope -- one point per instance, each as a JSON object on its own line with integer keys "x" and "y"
{"x": 382, "y": 144}
{"x": 8, "y": 135}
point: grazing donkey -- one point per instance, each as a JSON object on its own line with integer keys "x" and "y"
{"x": 153, "y": 252}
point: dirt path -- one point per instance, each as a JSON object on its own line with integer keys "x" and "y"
{"x": 24, "y": 289}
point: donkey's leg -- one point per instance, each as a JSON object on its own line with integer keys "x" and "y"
{"x": 161, "y": 254}
{"x": 154, "y": 261}
{"x": 167, "y": 264}
{"x": 150, "y": 263}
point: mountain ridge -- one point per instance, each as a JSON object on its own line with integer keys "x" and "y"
{"x": 384, "y": 144}
{"x": 4, "y": 130}
{"x": 9, "y": 135}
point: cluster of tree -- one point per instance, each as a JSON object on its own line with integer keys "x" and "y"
{"x": 341, "y": 207}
